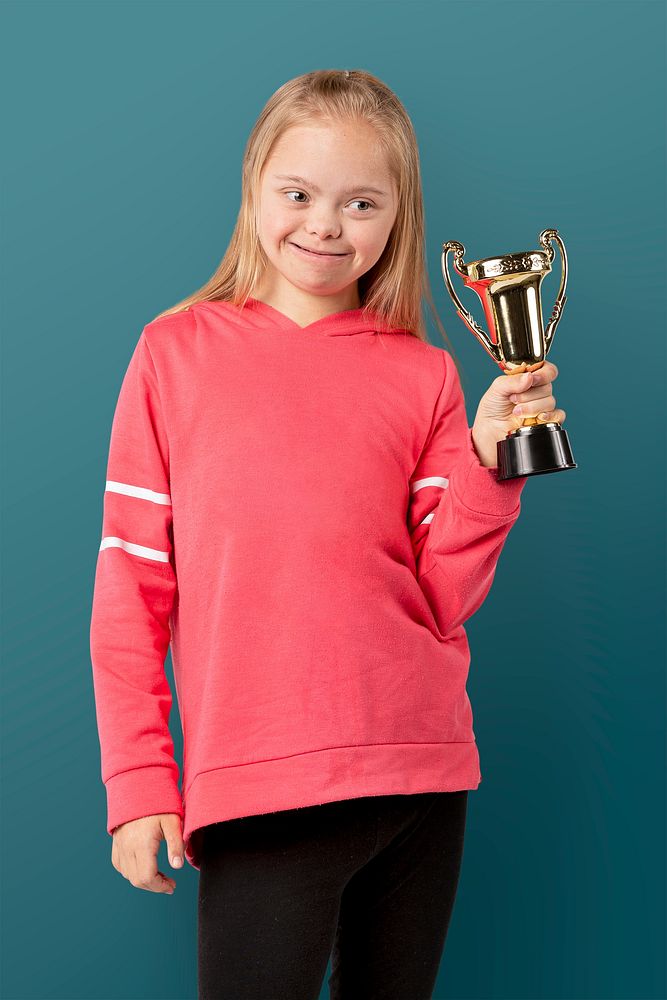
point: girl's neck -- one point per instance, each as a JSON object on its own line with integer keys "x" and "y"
{"x": 303, "y": 308}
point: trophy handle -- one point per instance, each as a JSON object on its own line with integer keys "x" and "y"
{"x": 459, "y": 250}
{"x": 545, "y": 239}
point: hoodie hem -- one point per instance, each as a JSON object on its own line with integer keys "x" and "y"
{"x": 329, "y": 775}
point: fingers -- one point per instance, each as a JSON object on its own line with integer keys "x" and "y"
{"x": 533, "y": 405}
{"x": 551, "y": 415}
{"x": 526, "y": 380}
{"x": 547, "y": 373}
{"x": 143, "y": 873}
{"x": 536, "y": 393}
{"x": 140, "y": 870}
{"x": 532, "y": 393}
{"x": 135, "y": 849}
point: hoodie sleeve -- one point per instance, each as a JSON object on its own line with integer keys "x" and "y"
{"x": 134, "y": 588}
{"x": 459, "y": 512}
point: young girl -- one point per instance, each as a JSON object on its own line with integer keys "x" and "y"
{"x": 295, "y": 501}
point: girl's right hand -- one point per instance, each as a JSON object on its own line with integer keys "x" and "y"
{"x": 136, "y": 845}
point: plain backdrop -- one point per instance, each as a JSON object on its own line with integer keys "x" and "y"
{"x": 124, "y": 127}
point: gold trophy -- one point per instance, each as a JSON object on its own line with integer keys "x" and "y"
{"x": 509, "y": 287}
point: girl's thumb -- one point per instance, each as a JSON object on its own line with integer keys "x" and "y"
{"x": 175, "y": 851}
{"x": 171, "y": 829}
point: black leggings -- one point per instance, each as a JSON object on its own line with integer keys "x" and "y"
{"x": 369, "y": 882}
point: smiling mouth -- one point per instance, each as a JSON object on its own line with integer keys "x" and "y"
{"x": 318, "y": 253}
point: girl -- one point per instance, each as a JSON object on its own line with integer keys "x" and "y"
{"x": 295, "y": 501}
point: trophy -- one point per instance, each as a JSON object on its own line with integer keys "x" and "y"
{"x": 509, "y": 287}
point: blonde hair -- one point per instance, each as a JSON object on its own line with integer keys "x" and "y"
{"x": 394, "y": 286}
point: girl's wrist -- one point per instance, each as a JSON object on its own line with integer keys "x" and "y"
{"x": 486, "y": 449}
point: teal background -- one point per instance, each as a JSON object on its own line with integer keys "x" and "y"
{"x": 124, "y": 129}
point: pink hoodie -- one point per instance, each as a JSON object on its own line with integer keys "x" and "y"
{"x": 301, "y": 513}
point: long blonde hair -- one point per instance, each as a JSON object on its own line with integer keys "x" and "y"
{"x": 394, "y": 286}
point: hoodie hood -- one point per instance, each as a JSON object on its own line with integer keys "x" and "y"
{"x": 345, "y": 323}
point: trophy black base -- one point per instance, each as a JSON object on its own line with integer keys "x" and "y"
{"x": 535, "y": 450}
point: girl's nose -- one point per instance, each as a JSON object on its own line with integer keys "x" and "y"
{"x": 323, "y": 223}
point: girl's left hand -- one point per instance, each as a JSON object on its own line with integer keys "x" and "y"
{"x": 509, "y": 399}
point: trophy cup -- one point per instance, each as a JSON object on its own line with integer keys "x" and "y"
{"x": 509, "y": 287}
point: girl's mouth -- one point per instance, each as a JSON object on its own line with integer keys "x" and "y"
{"x": 313, "y": 255}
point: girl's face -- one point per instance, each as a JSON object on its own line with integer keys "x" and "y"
{"x": 324, "y": 188}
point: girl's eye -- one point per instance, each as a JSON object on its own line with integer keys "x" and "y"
{"x": 362, "y": 201}
{"x": 357, "y": 201}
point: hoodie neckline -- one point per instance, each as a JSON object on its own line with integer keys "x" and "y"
{"x": 342, "y": 323}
